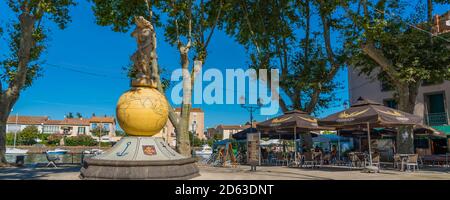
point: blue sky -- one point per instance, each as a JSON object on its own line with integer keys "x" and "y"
{"x": 89, "y": 48}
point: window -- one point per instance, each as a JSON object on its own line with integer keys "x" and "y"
{"x": 51, "y": 129}
{"x": 94, "y": 125}
{"x": 11, "y": 128}
{"x": 81, "y": 130}
{"x": 106, "y": 127}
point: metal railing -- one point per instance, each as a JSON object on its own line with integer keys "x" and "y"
{"x": 437, "y": 119}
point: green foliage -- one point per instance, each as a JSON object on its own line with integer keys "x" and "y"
{"x": 120, "y": 133}
{"x": 54, "y": 10}
{"x": 210, "y": 142}
{"x": 10, "y": 139}
{"x": 217, "y": 136}
{"x": 105, "y": 144}
{"x": 195, "y": 141}
{"x": 414, "y": 55}
{"x": 28, "y": 135}
{"x": 193, "y": 21}
{"x": 54, "y": 139}
{"x": 80, "y": 140}
{"x": 99, "y": 131}
{"x": 69, "y": 115}
{"x": 9, "y": 66}
{"x": 79, "y": 115}
{"x": 283, "y": 35}
{"x": 120, "y": 14}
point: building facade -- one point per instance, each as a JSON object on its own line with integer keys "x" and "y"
{"x": 67, "y": 126}
{"x": 227, "y": 131}
{"x": 432, "y": 101}
{"x": 441, "y": 24}
{"x": 196, "y": 126}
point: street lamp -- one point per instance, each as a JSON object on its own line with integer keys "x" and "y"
{"x": 251, "y": 108}
{"x": 194, "y": 132}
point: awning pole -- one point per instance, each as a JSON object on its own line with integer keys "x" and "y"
{"x": 295, "y": 143}
{"x": 339, "y": 145}
{"x": 368, "y": 141}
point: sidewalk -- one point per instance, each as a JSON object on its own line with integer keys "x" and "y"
{"x": 243, "y": 173}
{"x": 326, "y": 173}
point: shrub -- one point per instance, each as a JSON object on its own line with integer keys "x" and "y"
{"x": 43, "y": 137}
{"x": 10, "y": 139}
{"x": 80, "y": 140}
{"x": 28, "y": 135}
{"x": 54, "y": 139}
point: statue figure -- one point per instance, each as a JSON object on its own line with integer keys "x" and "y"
{"x": 144, "y": 55}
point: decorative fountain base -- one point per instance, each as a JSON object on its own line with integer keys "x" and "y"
{"x": 139, "y": 158}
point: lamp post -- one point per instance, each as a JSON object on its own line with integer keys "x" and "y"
{"x": 194, "y": 132}
{"x": 17, "y": 129}
{"x": 252, "y": 108}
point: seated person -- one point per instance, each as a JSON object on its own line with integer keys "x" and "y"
{"x": 333, "y": 154}
{"x": 317, "y": 152}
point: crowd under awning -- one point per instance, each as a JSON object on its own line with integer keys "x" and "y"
{"x": 366, "y": 115}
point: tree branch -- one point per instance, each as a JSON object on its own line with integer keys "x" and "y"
{"x": 313, "y": 101}
{"x": 189, "y": 43}
{"x": 26, "y": 43}
{"x": 327, "y": 38}
{"x": 214, "y": 25}
{"x": 249, "y": 25}
{"x": 149, "y": 10}
{"x": 283, "y": 105}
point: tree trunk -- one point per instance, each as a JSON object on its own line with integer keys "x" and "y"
{"x": 430, "y": 11}
{"x": 9, "y": 97}
{"x": 5, "y": 109}
{"x": 2, "y": 140}
{"x": 183, "y": 142}
{"x": 308, "y": 141}
{"x": 406, "y": 102}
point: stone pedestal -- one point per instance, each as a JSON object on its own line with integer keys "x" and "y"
{"x": 139, "y": 158}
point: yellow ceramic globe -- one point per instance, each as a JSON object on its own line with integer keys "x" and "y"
{"x": 142, "y": 111}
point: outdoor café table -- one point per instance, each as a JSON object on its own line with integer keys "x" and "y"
{"x": 362, "y": 157}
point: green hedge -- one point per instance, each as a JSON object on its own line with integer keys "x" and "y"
{"x": 54, "y": 139}
{"x": 80, "y": 140}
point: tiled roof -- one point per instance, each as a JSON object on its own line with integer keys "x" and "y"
{"x": 37, "y": 120}
{"x": 236, "y": 127}
{"x": 227, "y": 127}
{"x": 75, "y": 121}
{"x": 52, "y": 122}
{"x": 95, "y": 119}
{"x": 28, "y": 120}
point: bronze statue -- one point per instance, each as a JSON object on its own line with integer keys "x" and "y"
{"x": 143, "y": 57}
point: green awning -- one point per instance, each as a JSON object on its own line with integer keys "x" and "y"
{"x": 445, "y": 129}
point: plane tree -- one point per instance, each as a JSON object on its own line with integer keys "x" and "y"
{"x": 400, "y": 48}
{"x": 187, "y": 25}
{"x": 26, "y": 35}
{"x": 303, "y": 39}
